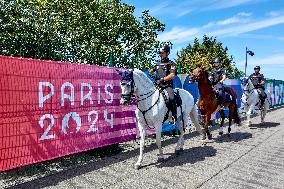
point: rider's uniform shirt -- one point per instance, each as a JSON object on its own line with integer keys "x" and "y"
{"x": 256, "y": 79}
{"x": 217, "y": 74}
{"x": 163, "y": 69}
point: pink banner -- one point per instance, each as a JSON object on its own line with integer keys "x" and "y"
{"x": 50, "y": 109}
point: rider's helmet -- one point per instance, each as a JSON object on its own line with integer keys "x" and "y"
{"x": 257, "y": 68}
{"x": 166, "y": 49}
{"x": 217, "y": 60}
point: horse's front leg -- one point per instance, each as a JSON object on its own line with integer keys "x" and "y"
{"x": 204, "y": 128}
{"x": 158, "y": 141}
{"x": 249, "y": 112}
{"x": 142, "y": 144}
{"x": 264, "y": 110}
{"x": 207, "y": 122}
{"x": 262, "y": 116}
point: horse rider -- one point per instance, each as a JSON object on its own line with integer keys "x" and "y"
{"x": 166, "y": 70}
{"x": 258, "y": 81}
{"x": 216, "y": 77}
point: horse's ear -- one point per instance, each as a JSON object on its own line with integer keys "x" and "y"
{"x": 203, "y": 67}
{"x": 119, "y": 72}
{"x": 199, "y": 66}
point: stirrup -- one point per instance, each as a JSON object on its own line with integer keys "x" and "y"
{"x": 172, "y": 120}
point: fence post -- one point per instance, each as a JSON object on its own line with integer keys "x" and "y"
{"x": 179, "y": 69}
{"x": 111, "y": 62}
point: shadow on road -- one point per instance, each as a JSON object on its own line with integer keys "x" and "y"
{"x": 266, "y": 125}
{"x": 59, "y": 176}
{"x": 191, "y": 155}
{"x": 233, "y": 137}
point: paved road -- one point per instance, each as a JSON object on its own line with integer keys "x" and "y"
{"x": 251, "y": 158}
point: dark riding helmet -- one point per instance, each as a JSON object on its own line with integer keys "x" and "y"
{"x": 217, "y": 60}
{"x": 257, "y": 67}
{"x": 166, "y": 49}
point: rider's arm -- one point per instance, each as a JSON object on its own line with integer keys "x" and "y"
{"x": 224, "y": 77}
{"x": 172, "y": 73}
{"x": 262, "y": 81}
{"x": 152, "y": 70}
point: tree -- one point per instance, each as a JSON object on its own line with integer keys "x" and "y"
{"x": 89, "y": 31}
{"x": 203, "y": 53}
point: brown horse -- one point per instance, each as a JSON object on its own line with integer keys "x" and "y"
{"x": 208, "y": 104}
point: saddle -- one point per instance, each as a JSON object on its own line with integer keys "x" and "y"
{"x": 229, "y": 97}
{"x": 177, "y": 98}
{"x": 226, "y": 94}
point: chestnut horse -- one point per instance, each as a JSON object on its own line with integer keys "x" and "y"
{"x": 208, "y": 104}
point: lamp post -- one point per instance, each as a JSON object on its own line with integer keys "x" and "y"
{"x": 250, "y": 53}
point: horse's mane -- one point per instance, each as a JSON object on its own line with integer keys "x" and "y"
{"x": 206, "y": 74}
{"x": 250, "y": 82}
{"x": 203, "y": 69}
{"x": 144, "y": 80}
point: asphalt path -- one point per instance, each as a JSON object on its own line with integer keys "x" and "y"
{"x": 249, "y": 158}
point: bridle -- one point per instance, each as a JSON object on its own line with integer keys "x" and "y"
{"x": 247, "y": 91}
{"x": 130, "y": 96}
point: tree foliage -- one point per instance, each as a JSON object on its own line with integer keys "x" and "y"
{"x": 86, "y": 31}
{"x": 202, "y": 53}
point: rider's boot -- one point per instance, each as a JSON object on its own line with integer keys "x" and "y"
{"x": 221, "y": 102}
{"x": 174, "y": 112}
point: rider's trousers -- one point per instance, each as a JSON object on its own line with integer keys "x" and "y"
{"x": 172, "y": 101}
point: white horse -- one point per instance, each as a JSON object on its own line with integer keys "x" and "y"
{"x": 151, "y": 108}
{"x": 251, "y": 101}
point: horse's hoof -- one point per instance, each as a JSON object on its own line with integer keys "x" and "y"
{"x": 160, "y": 159}
{"x": 209, "y": 137}
{"x": 177, "y": 152}
{"x": 229, "y": 135}
{"x": 221, "y": 133}
{"x": 137, "y": 167}
{"x": 203, "y": 137}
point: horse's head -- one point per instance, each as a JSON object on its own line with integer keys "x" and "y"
{"x": 245, "y": 84}
{"x": 198, "y": 74}
{"x": 127, "y": 86}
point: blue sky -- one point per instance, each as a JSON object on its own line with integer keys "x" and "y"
{"x": 257, "y": 24}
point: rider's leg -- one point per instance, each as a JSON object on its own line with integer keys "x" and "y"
{"x": 172, "y": 101}
{"x": 262, "y": 96}
{"x": 221, "y": 97}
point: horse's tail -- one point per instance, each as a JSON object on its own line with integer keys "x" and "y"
{"x": 236, "y": 116}
{"x": 231, "y": 92}
{"x": 194, "y": 119}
